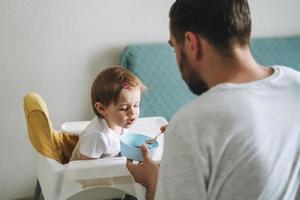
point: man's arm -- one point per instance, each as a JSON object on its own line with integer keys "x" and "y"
{"x": 145, "y": 173}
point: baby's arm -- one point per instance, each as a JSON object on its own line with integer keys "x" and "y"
{"x": 91, "y": 147}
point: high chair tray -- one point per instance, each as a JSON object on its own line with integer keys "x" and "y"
{"x": 100, "y": 168}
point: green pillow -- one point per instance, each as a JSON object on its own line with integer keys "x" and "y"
{"x": 155, "y": 65}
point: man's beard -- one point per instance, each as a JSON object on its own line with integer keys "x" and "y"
{"x": 195, "y": 83}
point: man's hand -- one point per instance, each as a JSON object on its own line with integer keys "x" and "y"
{"x": 145, "y": 173}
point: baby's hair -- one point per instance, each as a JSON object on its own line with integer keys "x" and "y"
{"x": 109, "y": 83}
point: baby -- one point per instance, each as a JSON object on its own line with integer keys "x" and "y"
{"x": 116, "y": 95}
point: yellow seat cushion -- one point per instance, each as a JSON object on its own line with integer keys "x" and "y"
{"x": 43, "y": 137}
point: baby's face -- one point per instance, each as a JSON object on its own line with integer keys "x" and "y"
{"x": 127, "y": 109}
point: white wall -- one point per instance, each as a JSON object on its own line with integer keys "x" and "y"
{"x": 57, "y": 47}
{"x": 275, "y": 17}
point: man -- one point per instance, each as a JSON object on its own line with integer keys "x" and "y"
{"x": 240, "y": 139}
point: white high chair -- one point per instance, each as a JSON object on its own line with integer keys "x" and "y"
{"x": 85, "y": 176}
{"x": 91, "y": 179}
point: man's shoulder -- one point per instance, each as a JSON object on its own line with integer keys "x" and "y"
{"x": 289, "y": 72}
{"x": 201, "y": 106}
{"x": 219, "y": 102}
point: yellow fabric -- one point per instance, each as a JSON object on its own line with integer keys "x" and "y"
{"x": 46, "y": 140}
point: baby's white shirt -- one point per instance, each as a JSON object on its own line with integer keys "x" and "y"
{"x": 98, "y": 141}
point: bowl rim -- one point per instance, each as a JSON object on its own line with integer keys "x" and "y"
{"x": 153, "y": 146}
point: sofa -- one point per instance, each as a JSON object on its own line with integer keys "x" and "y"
{"x": 156, "y": 66}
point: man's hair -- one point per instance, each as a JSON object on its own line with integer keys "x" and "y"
{"x": 221, "y": 22}
{"x": 109, "y": 83}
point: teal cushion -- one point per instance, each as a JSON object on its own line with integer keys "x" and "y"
{"x": 155, "y": 65}
{"x": 280, "y": 51}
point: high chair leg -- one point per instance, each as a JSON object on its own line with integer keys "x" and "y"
{"x": 126, "y": 197}
{"x": 37, "y": 191}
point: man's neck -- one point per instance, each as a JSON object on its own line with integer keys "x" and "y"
{"x": 241, "y": 67}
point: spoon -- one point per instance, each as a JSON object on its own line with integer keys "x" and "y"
{"x": 153, "y": 140}
{"x": 150, "y": 141}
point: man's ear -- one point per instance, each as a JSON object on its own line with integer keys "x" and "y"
{"x": 193, "y": 45}
{"x": 100, "y": 108}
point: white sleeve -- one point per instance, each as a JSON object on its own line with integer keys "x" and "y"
{"x": 92, "y": 145}
{"x": 181, "y": 176}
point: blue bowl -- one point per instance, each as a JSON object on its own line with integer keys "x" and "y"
{"x": 130, "y": 145}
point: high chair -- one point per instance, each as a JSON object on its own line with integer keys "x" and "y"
{"x": 89, "y": 179}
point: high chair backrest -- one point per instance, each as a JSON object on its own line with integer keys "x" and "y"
{"x": 57, "y": 145}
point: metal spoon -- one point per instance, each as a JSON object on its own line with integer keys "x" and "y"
{"x": 150, "y": 141}
{"x": 153, "y": 140}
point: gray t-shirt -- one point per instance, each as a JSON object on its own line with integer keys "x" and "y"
{"x": 236, "y": 142}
